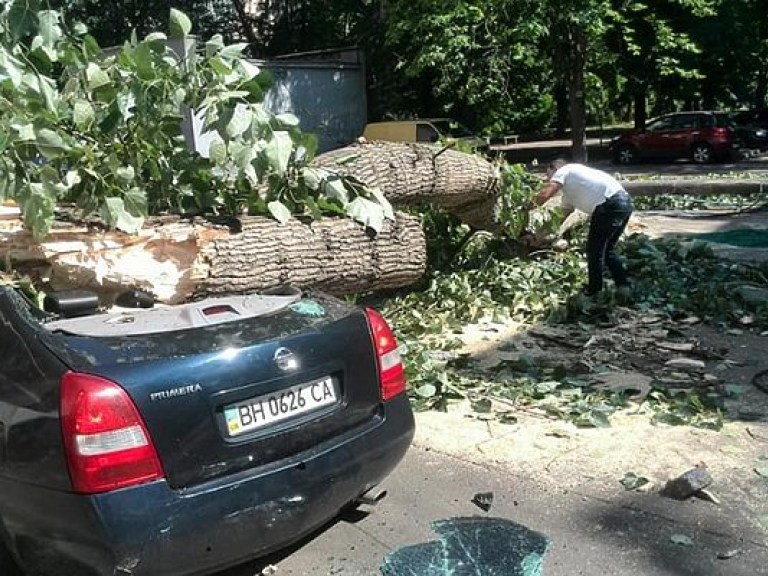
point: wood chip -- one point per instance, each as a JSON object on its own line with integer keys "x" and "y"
{"x": 676, "y": 346}
{"x": 685, "y": 364}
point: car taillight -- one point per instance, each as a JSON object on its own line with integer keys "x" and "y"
{"x": 391, "y": 371}
{"x": 107, "y": 444}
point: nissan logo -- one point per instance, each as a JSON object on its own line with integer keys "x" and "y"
{"x": 285, "y": 359}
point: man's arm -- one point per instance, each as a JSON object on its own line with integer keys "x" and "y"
{"x": 550, "y": 189}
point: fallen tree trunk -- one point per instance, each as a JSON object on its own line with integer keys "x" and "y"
{"x": 179, "y": 259}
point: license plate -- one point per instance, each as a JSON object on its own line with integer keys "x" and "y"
{"x": 262, "y": 411}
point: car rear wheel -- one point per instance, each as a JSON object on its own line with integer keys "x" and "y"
{"x": 701, "y": 153}
{"x": 625, "y": 154}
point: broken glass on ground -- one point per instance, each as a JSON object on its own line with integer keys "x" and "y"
{"x": 472, "y": 546}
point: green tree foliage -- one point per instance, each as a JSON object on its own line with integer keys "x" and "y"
{"x": 110, "y": 23}
{"x": 480, "y": 59}
{"x": 734, "y": 55}
{"x": 103, "y": 130}
{"x": 654, "y": 49}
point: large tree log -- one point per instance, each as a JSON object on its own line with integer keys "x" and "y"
{"x": 465, "y": 185}
{"x": 179, "y": 259}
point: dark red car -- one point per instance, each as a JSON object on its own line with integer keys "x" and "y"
{"x": 700, "y": 136}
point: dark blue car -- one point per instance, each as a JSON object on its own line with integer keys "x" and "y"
{"x": 182, "y": 440}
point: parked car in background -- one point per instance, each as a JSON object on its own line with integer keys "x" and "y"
{"x": 185, "y": 439}
{"x": 752, "y": 128}
{"x": 701, "y": 136}
{"x": 757, "y": 117}
{"x": 423, "y": 130}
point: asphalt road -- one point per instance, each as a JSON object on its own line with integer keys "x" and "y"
{"x": 592, "y": 531}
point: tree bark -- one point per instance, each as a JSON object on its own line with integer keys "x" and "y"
{"x": 577, "y": 98}
{"x": 640, "y": 115}
{"x": 177, "y": 259}
{"x": 417, "y": 174}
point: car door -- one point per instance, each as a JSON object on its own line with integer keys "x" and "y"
{"x": 655, "y": 140}
{"x": 686, "y": 128}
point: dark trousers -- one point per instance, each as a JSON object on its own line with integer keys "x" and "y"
{"x": 605, "y": 227}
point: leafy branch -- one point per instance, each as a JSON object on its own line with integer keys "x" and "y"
{"x": 104, "y": 130}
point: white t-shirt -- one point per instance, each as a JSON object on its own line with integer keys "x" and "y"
{"x": 585, "y": 188}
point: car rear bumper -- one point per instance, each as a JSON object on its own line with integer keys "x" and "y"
{"x": 152, "y": 529}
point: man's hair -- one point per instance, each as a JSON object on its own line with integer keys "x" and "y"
{"x": 557, "y": 163}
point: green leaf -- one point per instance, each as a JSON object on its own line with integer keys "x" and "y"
{"x": 482, "y": 405}
{"x": 762, "y": 471}
{"x": 38, "y": 209}
{"x": 426, "y": 391}
{"x": 242, "y": 153}
{"x": 214, "y": 46}
{"x": 313, "y": 177}
{"x": 115, "y": 215}
{"x": 289, "y": 120}
{"x": 10, "y": 68}
{"x": 632, "y": 481}
{"x": 278, "y": 151}
{"x": 334, "y": 189}
{"x": 155, "y": 37}
{"x": 279, "y": 211}
{"x": 378, "y": 195}
{"x": 22, "y": 18}
{"x": 233, "y": 51}
{"x": 240, "y": 122}
{"x": 125, "y": 175}
{"x": 599, "y": 419}
{"x": 136, "y": 201}
{"x": 367, "y": 213}
{"x": 217, "y": 151}
{"x": 48, "y": 27}
{"x": 25, "y": 132}
{"x": 50, "y": 144}
{"x": 47, "y": 89}
{"x": 82, "y": 114}
{"x": 180, "y": 24}
{"x": 248, "y": 70}
{"x": 96, "y": 77}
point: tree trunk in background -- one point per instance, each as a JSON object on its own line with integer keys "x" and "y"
{"x": 761, "y": 90}
{"x": 639, "y": 106}
{"x": 576, "y": 97}
{"x": 562, "y": 104}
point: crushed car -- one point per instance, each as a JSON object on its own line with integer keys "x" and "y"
{"x": 180, "y": 440}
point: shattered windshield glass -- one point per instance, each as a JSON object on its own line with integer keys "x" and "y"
{"x": 473, "y": 546}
